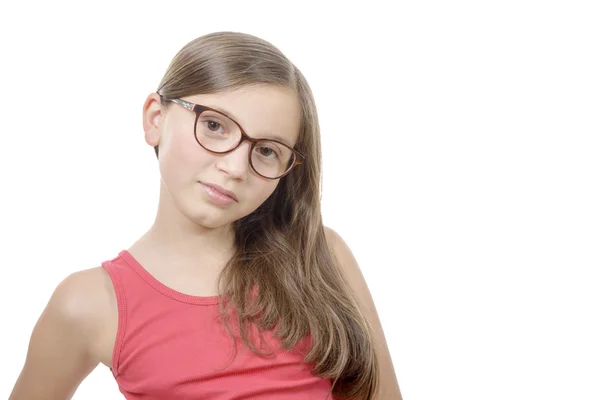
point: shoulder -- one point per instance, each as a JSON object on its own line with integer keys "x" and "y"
{"x": 84, "y": 302}
{"x": 335, "y": 241}
{"x": 61, "y": 350}
{"x": 388, "y": 388}
{"x": 83, "y": 295}
{"x": 346, "y": 259}
{"x": 351, "y": 271}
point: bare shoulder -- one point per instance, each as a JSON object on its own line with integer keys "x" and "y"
{"x": 388, "y": 388}
{"x": 63, "y": 345}
{"x": 346, "y": 259}
{"x": 350, "y": 269}
{"x": 339, "y": 247}
{"x": 84, "y": 301}
{"x": 86, "y": 297}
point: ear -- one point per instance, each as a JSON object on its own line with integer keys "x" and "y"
{"x": 152, "y": 114}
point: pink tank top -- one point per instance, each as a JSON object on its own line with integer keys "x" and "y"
{"x": 171, "y": 345}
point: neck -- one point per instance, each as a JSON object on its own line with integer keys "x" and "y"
{"x": 175, "y": 239}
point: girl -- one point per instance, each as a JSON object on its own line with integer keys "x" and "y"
{"x": 237, "y": 291}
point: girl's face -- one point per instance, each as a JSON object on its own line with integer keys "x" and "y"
{"x": 187, "y": 169}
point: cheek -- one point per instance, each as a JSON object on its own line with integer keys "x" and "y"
{"x": 182, "y": 154}
{"x": 185, "y": 146}
{"x": 260, "y": 191}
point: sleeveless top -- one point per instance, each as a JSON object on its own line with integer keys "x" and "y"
{"x": 171, "y": 345}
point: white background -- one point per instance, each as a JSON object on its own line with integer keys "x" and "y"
{"x": 461, "y": 164}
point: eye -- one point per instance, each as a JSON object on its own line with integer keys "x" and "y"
{"x": 213, "y": 125}
{"x": 267, "y": 152}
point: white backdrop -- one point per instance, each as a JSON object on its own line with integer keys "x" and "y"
{"x": 467, "y": 184}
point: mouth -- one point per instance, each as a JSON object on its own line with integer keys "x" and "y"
{"x": 219, "y": 191}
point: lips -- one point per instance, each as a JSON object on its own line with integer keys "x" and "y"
{"x": 222, "y": 190}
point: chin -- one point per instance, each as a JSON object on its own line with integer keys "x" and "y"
{"x": 211, "y": 219}
{"x": 208, "y": 221}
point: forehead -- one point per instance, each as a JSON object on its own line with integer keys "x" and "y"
{"x": 262, "y": 111}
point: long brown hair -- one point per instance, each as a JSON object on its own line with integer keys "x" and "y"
{"x": 281, "y": 247}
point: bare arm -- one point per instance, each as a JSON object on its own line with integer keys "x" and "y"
{"x": 59, "y": 355}
{"x": 388, "y": 383}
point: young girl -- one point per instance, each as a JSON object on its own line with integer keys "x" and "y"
{"x": 237, "y": 291}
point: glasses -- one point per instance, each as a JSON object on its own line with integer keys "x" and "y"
{"x": 219, "y": 134}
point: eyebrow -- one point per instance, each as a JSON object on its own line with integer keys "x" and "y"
{"x": 265, "y": 136}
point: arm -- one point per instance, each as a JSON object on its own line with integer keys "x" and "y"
{"x": 388, "y": 384}
{"x": 59, "y": 356}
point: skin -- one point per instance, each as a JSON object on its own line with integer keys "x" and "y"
{"x": 78, "y": 327}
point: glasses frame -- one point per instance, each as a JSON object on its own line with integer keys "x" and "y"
{"x": 199, "y": 109}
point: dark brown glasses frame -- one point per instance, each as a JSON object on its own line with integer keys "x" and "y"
{"x": 199, "y": 109}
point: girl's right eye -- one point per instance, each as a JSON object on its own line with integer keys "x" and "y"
{"x": 213, "y": 126}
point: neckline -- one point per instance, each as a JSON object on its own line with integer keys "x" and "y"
{"x": 161, "y": 287}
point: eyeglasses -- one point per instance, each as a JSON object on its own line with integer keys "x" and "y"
{"x": 219, "y": 134}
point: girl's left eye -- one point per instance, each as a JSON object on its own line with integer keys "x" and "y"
{"x": 268, "y": 153}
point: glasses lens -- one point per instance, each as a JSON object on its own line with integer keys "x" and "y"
{"x": 217, "y": 132}
{"x": 271, "y": 159}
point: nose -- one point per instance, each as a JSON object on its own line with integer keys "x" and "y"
{"x": 235, "y": 163}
